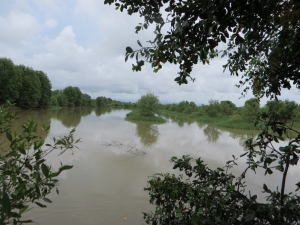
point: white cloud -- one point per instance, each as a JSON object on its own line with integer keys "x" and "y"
{"x": 18, "y": 29}
{"x": 51, "y": 23}
{"x": 85, "y": 47}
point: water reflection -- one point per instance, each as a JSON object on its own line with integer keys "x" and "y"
{"x": 102, "y": 111}
{"x": 201, "y": 124}
{"x": 179, "y": 120}
{"x": 71, "y": 117}
{"x": 211, "y": 133}
{"x": 148, "y": 132}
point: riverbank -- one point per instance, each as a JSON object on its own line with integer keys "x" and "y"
{"x": 134, "y": 115}
{"x": 234, "y": 122}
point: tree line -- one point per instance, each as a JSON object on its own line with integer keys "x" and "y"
{"x": 286, "y": 109}
{"x": 29, "y": 88}
{"x": 73, "y": 97}
{"x": 26, "y": 87}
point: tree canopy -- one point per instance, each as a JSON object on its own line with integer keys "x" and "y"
{"x": 261, "y": 38}
{"x": 148, "y": 104}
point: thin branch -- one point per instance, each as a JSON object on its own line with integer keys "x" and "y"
{"x": 283, "y": 182}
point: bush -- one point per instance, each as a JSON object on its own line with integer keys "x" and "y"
{"x": 148, "y": 104}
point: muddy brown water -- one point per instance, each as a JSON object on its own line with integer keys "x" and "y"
{"x": 116, "y": 158}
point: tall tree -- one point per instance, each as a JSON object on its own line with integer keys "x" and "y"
{"x": 227, "y": 107}
{"x": 251, "y": 109}
{"x": 10, "y": 81}
{"x": 213, "y": 108}
{"x": 45, "y": 88}
{"x": 86, "y": 100}
{"x": 30, "y": 92}
{"x": 73, "y": 95}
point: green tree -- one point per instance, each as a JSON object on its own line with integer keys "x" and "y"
{"x": 53, "y": 101}
{"x": 10, "y": 81}
{"x": 30, "y": 92}
{"x": 261, "y": 43}
{"x": 62, "y": 100}
{"x": 148, "y": 104}
{"x": 182, "y": 106}
{"x": 86, "y": 100}
{"x": 73, "y": 95}
{"x": 251, "y": 109}
{"x": 284, "y": 109}
{"x": 100, "y": 101}
{"x": 45, "y": 89}
{"x": 213, "y": 108}
{"x": 227, "y": 107}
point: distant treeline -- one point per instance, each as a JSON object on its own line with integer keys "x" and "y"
{"x": 29, "y": 88}
{"x": 73, "y": 97}
{"x": 217, "y": 110}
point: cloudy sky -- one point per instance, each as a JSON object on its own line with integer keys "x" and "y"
{"x": 82, "y": 43}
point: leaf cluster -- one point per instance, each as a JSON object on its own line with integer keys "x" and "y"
{"x": 25, "y": 176}
{"x": 260, "y": 38}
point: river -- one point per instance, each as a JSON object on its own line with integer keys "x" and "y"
{"x": 116, "y": 157}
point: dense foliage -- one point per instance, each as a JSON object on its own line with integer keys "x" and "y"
{"x": 232, "y": 116}
{"x": 148, "y": 104}
{"x": 260, "y": 38}
{"x": 23, "y": 85}
{"x": 10, "y": 81}
{"x": 25, "y": 176}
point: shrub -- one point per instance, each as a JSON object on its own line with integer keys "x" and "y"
{"x": 148, "y": 104}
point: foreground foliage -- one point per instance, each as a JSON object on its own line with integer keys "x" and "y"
{"x": 25, "y": 176}
{"x": 260, "y": 39}
{"x": 206, "y": 196}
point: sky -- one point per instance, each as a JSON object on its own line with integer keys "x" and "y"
{"x": 82, "y": 43}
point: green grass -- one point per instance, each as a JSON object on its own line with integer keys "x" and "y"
{"x": 134, "y": 115}
{"x": 226, "y": 122}
{"x": 235, "y": 122}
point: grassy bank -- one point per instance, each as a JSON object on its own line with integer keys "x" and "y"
{"x": 134, "y": 115}
{"x": 234, "y": 122}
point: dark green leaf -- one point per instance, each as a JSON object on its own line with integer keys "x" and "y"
{"x": 6, "y": 204}
{"x": 8, "y": 136}
{"x": 45, "y": 170}
{"x": 40, "y": 205}
{"x": 47, "y": 200}
{"x": 243, "y": 154}
{"x": 129, "y": 50}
